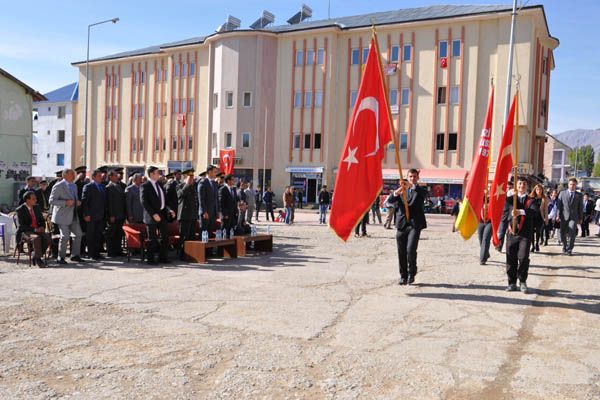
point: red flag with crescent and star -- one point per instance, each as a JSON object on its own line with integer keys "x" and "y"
{"x": 359, "y": 177}
{"x": 503, "y": 167}
{"x": 226, "y": 161}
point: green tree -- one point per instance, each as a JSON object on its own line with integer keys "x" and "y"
{"x": 596, "y": 171}
{"x": 582, "y": 158}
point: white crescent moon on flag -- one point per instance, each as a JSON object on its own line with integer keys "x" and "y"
{"x": 370, "y": 103}
{"x": 226, "y": 159}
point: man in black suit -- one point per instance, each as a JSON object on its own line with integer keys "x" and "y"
{"x": 588, "y": 213}
{"x": 518, "y": 241}
{"x": 228, "y": 204}
{"x": 93, "y": 204}
{"x": 116, "y": 212}
{"x": 31, "y": 186}
{"x": 156, "y": 212}
{"x": 409, "y": 229}
{"x": 171, "y": 189}
{"x": 43, "y": 195}
{"x": 187, "y": 210}
{"x": 208, "y": 198}
{"x": 33, "y": 226}
{"x": 570, "y": 213}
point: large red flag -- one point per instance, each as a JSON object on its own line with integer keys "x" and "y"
{"x": 503, "y": 167}
{"x": 359, "y": 179}
{"x": 226, "y": 158}
{"x": 470, "y": 210}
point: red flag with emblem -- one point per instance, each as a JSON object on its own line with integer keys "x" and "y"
{"x": 359, "y": 178}
{"x": 503, "y": 167}
{"x": 226, "y": 158}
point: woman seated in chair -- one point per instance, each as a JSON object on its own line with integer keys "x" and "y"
{"x": 32, "y": 227}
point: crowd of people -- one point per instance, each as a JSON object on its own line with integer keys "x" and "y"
{"x": 88, "y": 214}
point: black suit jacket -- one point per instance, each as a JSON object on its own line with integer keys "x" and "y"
{"x": 588, "y": 210}
{"x": 227, "y": 202}
{"x": 187, "y": 197}
{"x": 93, "y": 202}
{"x": 115, "y": 201}
{"x": 151, "y": 202}
{"x": 524, "y": 222}
{"x": 416, "y": 201}
{"x": 43, "y": 197}
{"x": 22, "y": 191}
{"x": 171, "y": 192}
{"x": 208, "y": 198}
{"x": 25, "y": 222}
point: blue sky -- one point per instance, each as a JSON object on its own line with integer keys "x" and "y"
{"x": 39, "y": 39}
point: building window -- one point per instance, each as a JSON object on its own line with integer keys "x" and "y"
{"x": 61, "y": 137}
{"x": 116, "y": 81}
{"x": 33, "y": 159}
{"x": 452, "y": 140}
{"x": 405, "y": 96}
{"x": 296, "y": 140}
{"x": 407, "y": 52}
{"x": 443, "y": 49}
{"x": 456, "y": 48}
{"x": 174, "y": 143}
{"x": 191, "y": 105}
{"x": 184, "y": 70}
{"x": 108, "y": 80}
{"x": 228, "y": 139}
{"x": 391, "y": 147}
{"x": 308, "y": 99}
{"x": 176, "y": 69}
{"x": 544, "y": 65}
{"x": 175, "y": 106}
{"x": 158, "y": 72}
{"x": 298, "y": 99}
{"x": 60, "y": 160}
{"x": 157, "y": 144}
{"x": 114, "y": 114}
{"x": 310, "y": 56}
{"x": 214, "y": 141}
{"x": 365, "y": 55}
{"x": 183, "y": 106}
{"x": 142, "y": 109}
{"x": 165, "y": 75}
{"x": 307, "y": 141}
{"x": 164, "y": 144}
{"x": 320, "y": 56}
{"x": 317, "y": 144}
{"x": 48, "y": 132}
{"x": 135, "y": 78}
{"x": 353, "y": 96}
{"x": 157, "y": 112}
{"x": 215, "y": 100}
{"x": 229, "y": 99}
{"x": 299, "y": 57}
{"x": 141, "y": 144}
{"x": 393, "y": 97}
{"x": 190, "y": 142}
{"x": 143, "y": 77}
{"x": 246, "y": 139}
{"x": 61, "y": 112}
{"x": 107, "y": 112}
{"x": 164, "y": 109}
{"x": 557, "y": 157}
{"x": 441, "y": 99}
{"x": 135, "y": 111}
{"x": 543, "y": 108}
{"x": 395, "y": 53}
{"x": 355, "y": 55}
{"x": 49, "y": 109}
{"x": 192, "y": 69}
{"x": 115, "y": 144}
{"x": 319, "y": 99}
{"x": 403, "y": 140}
{"x": 439, "y": 141}
{"x": 247, "y": 99}
{"x": 454, "y": 95}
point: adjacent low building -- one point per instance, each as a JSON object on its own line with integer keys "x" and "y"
{"x": 16, "y": 104}
{"x": 282, "y": 95}
{"x": 557, "y": 166}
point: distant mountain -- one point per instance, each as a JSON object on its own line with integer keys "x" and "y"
{"x": 581, "y": 137}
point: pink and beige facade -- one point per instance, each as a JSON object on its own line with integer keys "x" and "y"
{"x": 282, "y": 96}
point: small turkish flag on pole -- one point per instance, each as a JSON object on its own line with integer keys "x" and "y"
{"x": 226, "y": 158}
{"x": 359, "y": 177}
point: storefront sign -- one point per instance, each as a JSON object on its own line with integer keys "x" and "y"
{"x": 304, "y": 170}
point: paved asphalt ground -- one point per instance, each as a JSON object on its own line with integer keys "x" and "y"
{"x": 314, "y": 319}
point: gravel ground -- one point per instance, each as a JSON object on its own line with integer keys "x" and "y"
{"x": 315, "y": 319}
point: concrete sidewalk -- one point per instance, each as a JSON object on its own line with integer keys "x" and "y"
{"x": 316, "y": 319}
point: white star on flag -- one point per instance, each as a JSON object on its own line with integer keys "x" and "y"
{"x": 499, "y": 191}
{"x": 351, "y": 157}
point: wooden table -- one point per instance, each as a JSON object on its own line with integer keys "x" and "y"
{"x": 198, "y": 251}
{"x": 261, "y": 243}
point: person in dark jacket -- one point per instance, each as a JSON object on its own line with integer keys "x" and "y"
{"x": 93, "y": 204}
{"x": 208, "y": 200}
{"x": 187, "y": 210}
{"x": 268, "y": 196}
{"x": 116, "y": 213}
{"x": 228, "y": 204}
{"x": 171, "y": 190}
{"x": 31, "y": 186}
{"x": 588, "y": 214}
{"x": 324, "y": 201}
{"x": 156, "y": 212}
{"x": 242, "y": 226}
{"x": 258, "y": 200}
{"x": 43, "y": 196}
{"x": 409, "y": 228}
{"x": 33, "y": 226}
{"x": 135, "y": 211}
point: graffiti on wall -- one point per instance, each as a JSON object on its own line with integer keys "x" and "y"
{"x": 14, "y": 170}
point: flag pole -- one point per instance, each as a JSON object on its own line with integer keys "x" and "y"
{"x": 487, "y": 169}
{"x": 516, "y": 159}
{"x": 390, "y": 122}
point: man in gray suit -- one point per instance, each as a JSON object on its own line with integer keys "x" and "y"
{"x": 64, "y": 202}
{"x": 135, "y": 210}
{"x": 570, "y": 213}
{"x": 250, "y": 201}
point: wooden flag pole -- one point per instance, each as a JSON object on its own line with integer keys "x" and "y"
{"x": 516, "y": 160}
{"x": 390, "y": 122}
{"x": 487, "y": 169}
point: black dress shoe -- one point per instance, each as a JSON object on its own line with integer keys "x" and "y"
{"x": 41, "y": 263}
{"x": 61, "y": 261}
{"x": 164, "y": 261}
{"x": 411, "y": 279}
{"x": 402, "y": 281}
{"x": 511, "y": 287}
{"x": 76, "y": 259}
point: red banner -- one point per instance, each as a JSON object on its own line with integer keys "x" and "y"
{"x": 226, "y": 160}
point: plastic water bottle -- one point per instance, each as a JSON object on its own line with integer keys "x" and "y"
{"x": 218, "y": 234}
{"x": 224, "y": 235}
{"x": 231, "y": 233}
{"x": 205, "y": 236}
{"x": 253, "y": 231}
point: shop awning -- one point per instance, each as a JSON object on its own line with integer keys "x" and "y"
{"x": 448, "y": 176}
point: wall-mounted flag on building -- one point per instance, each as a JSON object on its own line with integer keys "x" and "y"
{"x": 226, "y": 160}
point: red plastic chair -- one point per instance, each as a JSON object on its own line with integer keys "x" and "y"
{"x": 136, "y": 240}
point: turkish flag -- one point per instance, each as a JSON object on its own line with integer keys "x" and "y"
{"x": 369, "y": 130}
{"x": 444, "y": 62}
{"x": 503, "y": 167}
{"x": 226, "y": 161}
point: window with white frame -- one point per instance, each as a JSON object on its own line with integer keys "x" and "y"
{"x": 297, "y": 99}
{"x": 395, "y": 54}
{"x": 246, "y": 139}
{"x": 353, "y": 96}
{"x": 215, "y": 100}
{"x": 317, "y": 144}
{"x": 456, "y": 48}
{"x": 406, "y": 52}
{"x": 62, "y": 110}
{"x": 299, "y": 57}
{"x": 319, "y": 99}
{"x": 229, "y": 99}
{"x": 60, "y": 136}
{"x": 403, "y": 140}
{"x": 454, "y": 95}
{"x": 355, "y": 57}
{"x": 310, "y": 55}
{"x": 320, "y": 56}
{"x": 405, "y": 96}
{"x": 228, "y": 139}
{"x": 308, "y": 99}
{"x": 247, "y": 99}
{"x": 393, "y": 97}
{"x": 296, "y": 140}
{"x": 443, "y": 49}
{"x": 365, "y": 54}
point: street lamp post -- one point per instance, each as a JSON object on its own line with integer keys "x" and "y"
{"x": 87, "y": 70}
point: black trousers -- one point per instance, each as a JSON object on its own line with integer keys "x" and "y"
{"x": 158, "y": 234}
{"x": 269, "y": 210}
{"x": 517, "y": 258}
{"x": 502, "y": 232}
{"x": 187, "y": 231}
{"x": 258, "y": 204}
{"x": 362, "y": 225}
{"x": 538, "y": 227}
{"x": 484, "y": 232}
{"x": 93, "y": 231}
{"x": 407, "y": 241}
{"x": 114, "y": 237}
{"x": 585, "y": 227}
